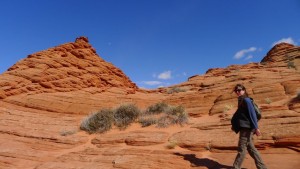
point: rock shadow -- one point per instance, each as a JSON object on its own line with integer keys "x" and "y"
{"x": 203, "y": 162}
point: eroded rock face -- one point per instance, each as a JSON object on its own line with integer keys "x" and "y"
{"x": 44, "y": 97}
{"x": 281, "y": 52}
{"x": 283, "y": 55}
{"x": 68, "y": 67}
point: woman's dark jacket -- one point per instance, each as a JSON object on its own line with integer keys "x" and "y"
{"x": 245, "y": 116}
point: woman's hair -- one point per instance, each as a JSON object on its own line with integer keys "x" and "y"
{"x": 241, "y": 87}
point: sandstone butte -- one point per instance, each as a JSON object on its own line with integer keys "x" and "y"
{"x": 45, "y": 96}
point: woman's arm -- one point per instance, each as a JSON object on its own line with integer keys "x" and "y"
{"x": 252, "y": 114}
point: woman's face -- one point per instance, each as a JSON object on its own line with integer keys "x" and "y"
{"x": 240, "y": 92}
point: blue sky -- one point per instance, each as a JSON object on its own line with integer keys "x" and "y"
{"x": 154, "y": 42}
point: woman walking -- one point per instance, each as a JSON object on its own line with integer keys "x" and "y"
{"x": 244, "y": 121}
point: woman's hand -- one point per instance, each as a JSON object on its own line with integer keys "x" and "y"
{"x": 257, "y": 132}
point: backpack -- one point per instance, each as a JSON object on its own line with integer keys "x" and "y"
{"x": 257, "y": 110}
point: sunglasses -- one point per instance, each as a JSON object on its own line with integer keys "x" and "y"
{"x": 238, "y": 90}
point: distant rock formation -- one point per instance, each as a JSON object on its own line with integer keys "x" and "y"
{"x": 281, "y": 54}
{"x": 68, "y": 67}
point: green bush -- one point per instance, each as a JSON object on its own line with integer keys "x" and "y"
{"x": 125, "y": 115}
{"x": 98, "y": 122}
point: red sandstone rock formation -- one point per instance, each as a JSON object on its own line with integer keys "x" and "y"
{"x": 68, "y": 67}
{"x": 44, "y": 97}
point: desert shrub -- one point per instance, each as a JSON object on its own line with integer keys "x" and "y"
{"x": 147, "y": 121}
{"x": 172, "y": 144}
{"x": 157, "y": 108}
{"x": 176, "y": 90}
{"x": 179, "y": 113}
{"x": 160, "y": 114}
{"x": 125, "y": 115}
{"x": 98, "y": 122}
{"x": 175, "y": 110}
{"x": 291, "y": 65}
{"x": 166, "y": 121}
{"x": 227, "y": 107}
{"x": 208, "y": 146}
{"x": 163, "y": 115}
{"x": 268, "y": 100}
{"x": 182, "y": 119}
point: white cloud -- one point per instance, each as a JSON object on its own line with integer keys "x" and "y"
{"x": 243, "y": 52}
{"x": 152, "y": 83}
{"x": 184, "y": 74}
{"x": 286, "y": 40}
{"x": 165, "y": 75}
{"x": 249, "y": 57}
